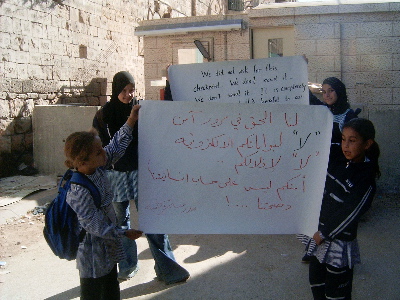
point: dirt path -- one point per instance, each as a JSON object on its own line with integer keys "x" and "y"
{"x": 221, "y": 266}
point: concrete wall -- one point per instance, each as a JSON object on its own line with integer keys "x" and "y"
{"x": 358, "y": 43}
{"x": 67, "y": 51}
{"x": 52, "y": 124}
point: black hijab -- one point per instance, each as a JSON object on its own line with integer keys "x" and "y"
{"x": 342, "y": 103}
{"x": 115, "y": 112}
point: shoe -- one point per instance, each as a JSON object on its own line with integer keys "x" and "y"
{"x": 182, "y": 280}
{"x": 122, "y": 278}
{"x": 306, "y": 259}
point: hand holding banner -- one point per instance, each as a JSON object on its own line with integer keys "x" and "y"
{"x": 231, "y": 168}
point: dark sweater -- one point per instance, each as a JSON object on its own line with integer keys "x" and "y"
{"x": 349, "y": 190}
{"x": 107, "y": 122}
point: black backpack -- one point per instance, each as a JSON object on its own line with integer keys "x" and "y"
{"x": 61, "y": 220}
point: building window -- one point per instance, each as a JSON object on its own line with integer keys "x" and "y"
{"x": 189, "y": 56}
{"x": 236, "y": 5}
{"x": 82, "y": 51}
{"x": 273, "y": 42}
{"x": 275, "y": 47}
{"x": 240, "y": 5}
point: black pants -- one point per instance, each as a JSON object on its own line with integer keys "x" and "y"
{"x": 330, "y": 282}
{"x": 102, "y": 288}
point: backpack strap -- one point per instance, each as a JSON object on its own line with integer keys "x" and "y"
{"x": 67, "y": 176}
{"x": 83, "y": 180}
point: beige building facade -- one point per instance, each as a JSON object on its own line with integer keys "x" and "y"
{"x": 357, "y": 42}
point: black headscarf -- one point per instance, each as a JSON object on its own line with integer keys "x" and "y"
{"x": 342, "y": 103}
{"x": 115, "y": 112}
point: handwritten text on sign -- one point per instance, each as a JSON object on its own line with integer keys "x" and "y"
{"x": 267, "y": 80}
{"x": 231, "y": 168}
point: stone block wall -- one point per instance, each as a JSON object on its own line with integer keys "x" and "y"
{"x": 67, "y": 51}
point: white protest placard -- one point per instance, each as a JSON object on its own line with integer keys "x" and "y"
{"x": 231, "y": 168}
{"x": 280, "y": 80}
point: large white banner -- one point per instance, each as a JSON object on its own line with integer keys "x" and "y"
{"x": 268, "y": 80}
{"x": 231, "y": 168}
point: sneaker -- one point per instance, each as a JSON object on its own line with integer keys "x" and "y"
{"x": 129, "y": 276}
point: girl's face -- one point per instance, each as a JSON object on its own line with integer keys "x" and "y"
{"x": 96, "y": 159}
{"x": 329, "y": 94}
{"x": 353, "y": 145}
{"x": 127, "y": 93}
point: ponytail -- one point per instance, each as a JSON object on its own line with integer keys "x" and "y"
{"x": 373, "y": 153}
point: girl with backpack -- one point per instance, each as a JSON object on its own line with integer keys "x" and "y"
{"x": 101, "y": 248}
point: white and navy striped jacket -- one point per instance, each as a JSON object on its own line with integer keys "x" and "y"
{"x": 101, "y": 248}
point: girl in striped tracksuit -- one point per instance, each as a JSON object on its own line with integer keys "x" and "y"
{"x": 101, "y": 249}
{"x": 349, "y": 190}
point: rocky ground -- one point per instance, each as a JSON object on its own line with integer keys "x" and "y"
{"x": 19, "y": 234}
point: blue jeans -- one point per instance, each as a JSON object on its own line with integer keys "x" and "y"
{"x": 166, "y": 268}
{"x": 129, "y": 266}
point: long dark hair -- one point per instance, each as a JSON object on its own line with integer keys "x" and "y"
{"x": 342, "y": 103}
{"x": 365, "y": 128}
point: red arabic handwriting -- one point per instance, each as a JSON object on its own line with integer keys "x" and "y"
{"x": 258, "y": 141}
{"x": 166, "y": 175}
{"x": 220, "y": 141}
{"x": 296, "y": 183}
{"x": 251, "y": 188}
{"x": 254, "y": 161}
{"x": 268, "y": 205}
{"x": 238, "y": 121}
{"x": 294, "y": 123}
{"x": 236, "y": 205}
{"x": 261, "y": 204}
{"x": 304, "y": 161}
{"x": 164, "y": 206}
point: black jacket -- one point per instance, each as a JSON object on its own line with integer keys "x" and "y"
{"x": 349, "y": 190}
{"x": 108, "y": 126}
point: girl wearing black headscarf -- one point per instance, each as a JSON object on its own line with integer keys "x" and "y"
{"x": 335, "y": 97}
{"x": 122, "y": 174}
{"x": 124, "y": 180}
